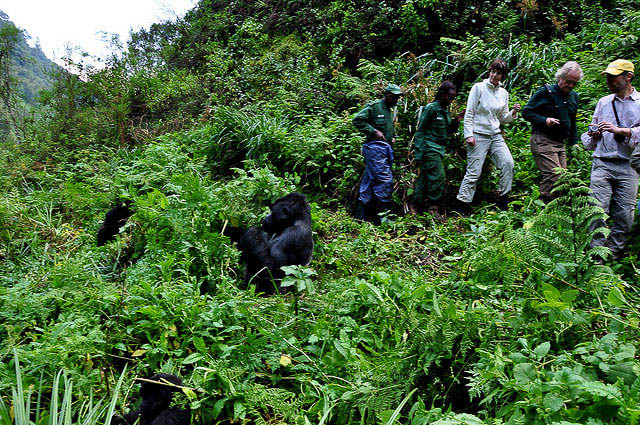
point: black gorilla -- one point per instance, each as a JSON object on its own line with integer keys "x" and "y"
{"x": 284, "y": 239}
{"x": 154, "y": 409}
{"x": 115, "y": 218}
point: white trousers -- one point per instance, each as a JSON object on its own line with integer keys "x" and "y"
{"x": 501, "y": 158}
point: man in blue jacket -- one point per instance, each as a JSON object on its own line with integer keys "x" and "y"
{"x": 376, "y": 121}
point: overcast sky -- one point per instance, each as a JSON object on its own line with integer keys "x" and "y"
{"x": 56, "y": 23}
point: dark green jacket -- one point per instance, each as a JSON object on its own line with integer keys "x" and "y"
{"x": 375, "y": 116}
{"x": 563, "y": 107}
{"x": 434, "y": 128}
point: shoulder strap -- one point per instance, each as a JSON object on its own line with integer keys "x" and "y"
{"x": 615, "y": 111}
{"x": 555, "y": 102}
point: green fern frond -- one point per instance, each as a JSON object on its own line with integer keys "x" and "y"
{"x": 555, "y": 243}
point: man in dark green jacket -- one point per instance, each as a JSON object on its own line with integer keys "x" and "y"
{"x": 434, "y": 128}
{"x": 376, "y": 121}
{"x": 552, "y": 114}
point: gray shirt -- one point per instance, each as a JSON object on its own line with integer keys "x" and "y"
{"x": 628, "y": 109}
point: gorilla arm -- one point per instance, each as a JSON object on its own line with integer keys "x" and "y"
{"x": 254, "y": 246}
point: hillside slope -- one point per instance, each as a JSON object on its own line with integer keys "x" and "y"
{"x": 498, "y": 317}
{"x": 30, "y": 66}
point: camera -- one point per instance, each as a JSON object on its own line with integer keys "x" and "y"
{"x": 593, "y": 128}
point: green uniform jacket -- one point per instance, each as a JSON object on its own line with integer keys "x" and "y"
{"x": 375, "y": 116}
{"x": 434, "y": 129}
{"x": 563, "y": 107}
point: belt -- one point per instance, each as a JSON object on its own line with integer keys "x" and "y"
{"x": 614, "y": 160}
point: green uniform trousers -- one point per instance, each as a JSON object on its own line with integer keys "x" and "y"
{"x": 430, "y": 185}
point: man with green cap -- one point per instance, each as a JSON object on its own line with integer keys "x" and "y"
{"x": 613, "y": 134}
{"x": 376, "y": 121}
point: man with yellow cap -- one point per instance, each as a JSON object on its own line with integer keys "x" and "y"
{"x": 613, "y": 134}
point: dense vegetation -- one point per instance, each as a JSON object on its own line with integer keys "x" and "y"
{"x": 496, "y": 318}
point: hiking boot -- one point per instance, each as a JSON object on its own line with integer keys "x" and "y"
{"x": 503, "y": 202}
{"x": 367, "y": 212}
{"x": 434, "y": 210}
{"x": 383, "y": 212}
{"x": 463, "y": 208}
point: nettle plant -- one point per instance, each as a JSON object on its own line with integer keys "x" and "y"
{"x": 594, "y": 383}
{"x": 564, "y": 296}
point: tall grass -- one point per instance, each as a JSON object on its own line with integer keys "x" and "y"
{"x": 61, "y": 411}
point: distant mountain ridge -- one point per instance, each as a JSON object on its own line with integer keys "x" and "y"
{"x": 31, "y": 66}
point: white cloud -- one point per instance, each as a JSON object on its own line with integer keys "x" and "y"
{"x": 78, "y": 23}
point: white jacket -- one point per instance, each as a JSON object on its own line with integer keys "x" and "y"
{"x": 487, "y": 108}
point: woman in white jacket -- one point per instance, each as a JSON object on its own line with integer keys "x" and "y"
{"x": 487, "y": 109}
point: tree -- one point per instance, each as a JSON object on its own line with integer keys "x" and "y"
{"x": 9, "y": 37}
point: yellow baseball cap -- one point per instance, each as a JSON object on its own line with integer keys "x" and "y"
{"x": 617, "y": 67}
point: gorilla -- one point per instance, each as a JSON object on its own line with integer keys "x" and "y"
{"x": 154, "y": 409}
{"x": 284, "y": 239}
{"x": 115, "y": 218}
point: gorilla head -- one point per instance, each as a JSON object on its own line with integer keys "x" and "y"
{"x": 155, "y": 409}
{"x": 157, "y": 397}
{"x": 285, "y": 212}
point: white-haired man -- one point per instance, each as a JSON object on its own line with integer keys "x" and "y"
{"x": 613, "y": 134}
{"x": 552, "y": 114}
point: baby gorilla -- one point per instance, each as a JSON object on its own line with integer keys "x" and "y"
{"x": 285, "y": 239}
{"x": 154, "y": 409}
{"x": 115, "y": 218}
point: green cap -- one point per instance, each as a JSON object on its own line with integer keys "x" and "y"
{"x": 393, "y": 89}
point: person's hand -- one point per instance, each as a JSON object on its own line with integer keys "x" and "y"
{"x": 552, "y": 122}
{"x": 378, "y": 135}
{"x": 612, "y": 128}
{"x": 515, "y": 110}
{"x": 471, "y": 141}
{"x": 595, "y": 134}
{"x": 393, "y": 141}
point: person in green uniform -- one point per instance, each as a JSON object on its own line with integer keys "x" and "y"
{"x": 434, "y": 128}
{"x": 376, "y": 122}
{"x": 552, "y": 114}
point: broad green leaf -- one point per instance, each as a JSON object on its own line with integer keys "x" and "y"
{"x": 550, "y": 293}
{"x": 524, "y": 373}
{"x": 627, "y": 371}
{"x": 615, "y": 297}
{"x": 436, "y": 306}
{"x": 542, "y": 349}
{"x": 138, "y": 352}
{"x": 552, "y": 402}
{"x": 518, "y": 357}
{"x": 569, "y": 296}
{"x": 193, "y": 358}
{"x": 217, "y": 408}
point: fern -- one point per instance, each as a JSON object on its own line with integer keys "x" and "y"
{"x": 554, "y": 244}
{"x": 272, "y": 403}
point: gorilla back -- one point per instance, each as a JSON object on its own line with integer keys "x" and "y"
{"x": 115, "y": 218}
{"x": 285, "y": 239}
